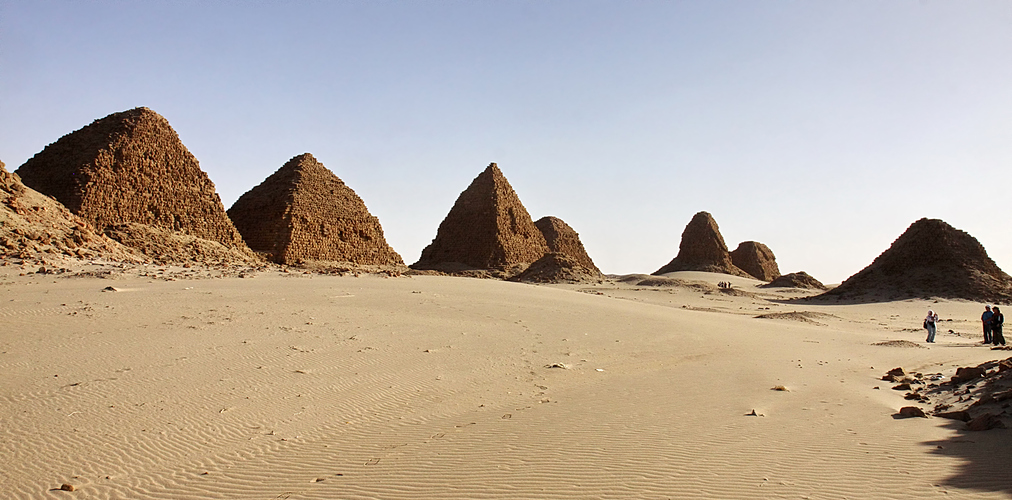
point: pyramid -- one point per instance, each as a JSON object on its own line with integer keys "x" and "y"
{"x": 756, "y": 259}
{"x": 563, "y": 239}
{"x": 131, "y": 167}
{"x": 557, "y": 267}
{"x": 305, "y": 212}
{"x": 702, "y": 249}
{"x": 930, "y": 259}
{"x": 487, "y": 228}
{"x": 799, "y": 279}
{"x": 35, "y": 226}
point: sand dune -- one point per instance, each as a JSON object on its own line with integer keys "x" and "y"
{"x": 308, "y": 386}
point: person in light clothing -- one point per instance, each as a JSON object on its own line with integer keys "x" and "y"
{"x": 929, "y": 324}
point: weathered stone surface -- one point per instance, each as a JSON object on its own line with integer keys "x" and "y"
{"x": 756, "y": 259}
{"x": 985, "y": 422}
{"x": 968, "y": 374}
{"x": 304, "y": 212}
{"x": 165, "y": 246}
{"x": 702, "y": 249}
{"x": 565, "y": 240}
{"x": 131, "y": 167}
{"x": 930, "y": 259}
{"x": 910, "y": 412}
{"x": 33, "y": 225}
{"x": 556, "y": 267}
{"x": 487, "y": 228}
{"x": 799, "y": 279}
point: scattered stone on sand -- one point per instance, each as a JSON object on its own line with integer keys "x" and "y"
{"x": 902, "y": 387}
{"x": 756, "y": 259}
{"x": 110, "y": 289}
{"x": 67, "y": 487}
{"x": 899, "y": 343}
{"x": 131, "y": 167}
{"x": 962, "y": 415}
{"x": 930, "y": 259}
{"x": 985, "y": 422}
{"x": 304, "y": 212}
{"x": 702, "y": 248}
{"x": 910, "y": 412}
{"x": 779, "y": 388}
{"x": 799, "y": 279}
{"x": 488, "y": 228}
{"x": 558, "y": 365}
{"x": 967, "y": 374}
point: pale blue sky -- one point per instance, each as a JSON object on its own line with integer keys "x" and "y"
{"x": 822, "y": 129}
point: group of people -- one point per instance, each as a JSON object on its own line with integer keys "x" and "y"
{"x": 724, "y": 284}
{"x": 992, "y": 320}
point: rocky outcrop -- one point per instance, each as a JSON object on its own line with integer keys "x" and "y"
{"x": 799, "y": 279}
{"x": 487, "y": 228}
{"x": 702, "y": 249}
{"x": 756, "y": 259}
{"x": 557, "y": 267}
{"x": 930, "y": 259}
{"x": 304, "y": 212}
{"x": 131, "y": 167}
{"x": 563, "y": 239}
{"x": 34, "y": 226}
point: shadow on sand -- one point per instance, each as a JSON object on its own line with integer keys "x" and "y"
{"x": 986, "y": 458}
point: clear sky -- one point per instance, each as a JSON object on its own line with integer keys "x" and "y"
{"x": 822, "y": 129}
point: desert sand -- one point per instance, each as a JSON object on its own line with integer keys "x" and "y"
{"x": 191, "y": 383}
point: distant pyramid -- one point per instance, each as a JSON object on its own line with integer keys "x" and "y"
{"x": 702, "y": 249}
{"x": 131, "y": 167}
{"x": 305, "y": 212}
{"x": 756, "y": 259}
{"x": 930, "y": 259}
{"x": 556, "y": 267}
{"x": 487, "y": 228}
{"x": 563, "y": 239}
{"x": 799, "y": 279}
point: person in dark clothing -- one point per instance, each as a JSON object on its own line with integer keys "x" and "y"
{"x": 997, "y": 320}
{"x": 985, "y": 319}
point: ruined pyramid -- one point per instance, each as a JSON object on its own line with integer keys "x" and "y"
{"x": 34, "y": 226}
{"x": 562, "y": 238}
{"x": 756, "y": 259}
{"x": 487, "y": 228}
{"x": 930, "y": 259}
{"x": 131, "y": 167}
{"x": 702, "y": 249}
{"x": 304, "y": 212}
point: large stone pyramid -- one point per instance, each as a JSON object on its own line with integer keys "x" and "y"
{"x": 487, "y": 228}
{"x": 305, "y": 212}
{"x": 702, "y": 249}
{"x": 930, "y": 259}
{"x": 757, "y": 260}
{"x": 562, "y": 238}
{"x": 131, "y": 167}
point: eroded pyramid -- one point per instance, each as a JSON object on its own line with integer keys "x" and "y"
{"x": 304, "y": 212}
{"x": 756, "y": 259}
{"x": 131, "y": 167}
{"x": 799, "y": 279}
{"x": 561, "y": 238}
{"x": 702, "y": 249}
{"x": 487, "y": 228}
{"x": 930, "y": 259}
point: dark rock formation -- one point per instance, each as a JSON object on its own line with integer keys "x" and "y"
{"x": 557, "y": 267}
{"x": 799, "y": 279}
{"x": 487, "y": 228}
{"x": 930, "y": 259}
{"x": 132, "y": 167}
{"x": 35, "y": 226}
{"x": 756, "y": 259}
{"x": 702, "y": 249}
{"x": 304, "y": 212}
{"x": 563, "y": 239}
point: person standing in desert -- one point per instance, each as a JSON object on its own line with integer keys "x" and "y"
{"x": 929, "y": 324}
{"x": 997, "y": 320}
{"x": 985, "y": 319}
